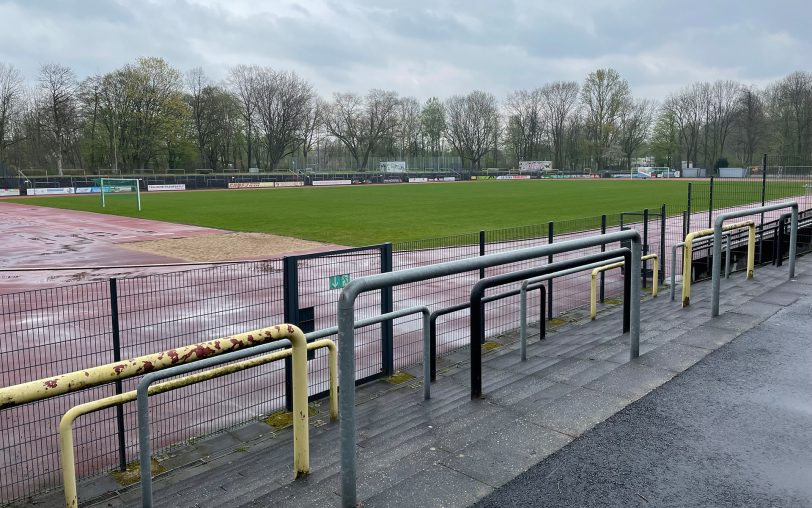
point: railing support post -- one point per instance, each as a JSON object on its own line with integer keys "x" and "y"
{"x": 645, "y": 245}
{"x": 688, "y": 221}
{"x": 603, "y": 249}
{"x": 481, "y": 251}
{"x": 550, "y": 239}
{"x": 122, "y": 445}
{"x": 387, "y": 306}
{"x": 662, "y": 244}
{"x": 290, "y": 292}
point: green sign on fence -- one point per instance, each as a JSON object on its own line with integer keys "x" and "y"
{"x": 339, "y": 281}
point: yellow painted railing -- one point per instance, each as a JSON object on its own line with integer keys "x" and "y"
{"x": 593, "y": 288}
{"x": 95, "y": 376}
{"x": 67, "y": 458}
{"x": 49, "y": 387}
{"x": 688, "y": 254}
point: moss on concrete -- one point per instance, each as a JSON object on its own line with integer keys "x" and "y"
{"x": 133, "y": 472}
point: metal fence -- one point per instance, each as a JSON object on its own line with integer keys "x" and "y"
{"x": 61, "y": 329}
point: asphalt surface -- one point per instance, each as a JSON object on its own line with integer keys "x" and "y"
{"x": 733, "y": 430}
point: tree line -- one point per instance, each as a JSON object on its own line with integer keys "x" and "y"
{"x": 148, "y": 114}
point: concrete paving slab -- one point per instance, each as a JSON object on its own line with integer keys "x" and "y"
{"x": 507, "y": 452}
{"x": 578, "y": 411}
{"x": 631, "y": 380}
{"x": 708, "y": 337}
{"x": 436, "y": 486}
{"x": 673, "y": 356}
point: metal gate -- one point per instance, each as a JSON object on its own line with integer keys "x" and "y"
{"x": 312, "y": 285}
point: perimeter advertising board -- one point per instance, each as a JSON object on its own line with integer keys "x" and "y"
{"x": 319, "y": 183}
{"x": 167, "y": 187}
{"x": 51, "y": 191}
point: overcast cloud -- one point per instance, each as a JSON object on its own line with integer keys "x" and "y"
{"x": 422, "y": 47}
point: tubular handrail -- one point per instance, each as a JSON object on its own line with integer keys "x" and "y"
{"x": 536, "y": 283}
{"x": 593, "y": 286}
{"x": 32, "y": 391}
{"x": 478, "y": 307}
{"x": 718, "y": 227}
{"x": 688, "y": 252}
{"x": 673, "y": 287}
{"x": 301, "y": 439}
{"x": 456, "y": 308}
{"x": 346, "y": 311}
{"x": 67, "y": 459}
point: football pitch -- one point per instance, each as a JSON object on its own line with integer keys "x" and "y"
{"x": 361, "y": 215}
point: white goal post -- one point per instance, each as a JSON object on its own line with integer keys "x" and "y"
{"x": 119, "y": 185}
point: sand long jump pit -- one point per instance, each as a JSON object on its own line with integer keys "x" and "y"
{"x": 40, "y": 237}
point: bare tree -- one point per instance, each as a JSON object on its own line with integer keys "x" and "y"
{"x": 718, "y": 101}
{"x": 360, "y": 123}
{"x": 685, "y": 108}
{"x": 790, "y": 106}
{"x": 635, "y": 124}
{"x": 11, "y": 97}
{"x": 433, "y": 125}
{"x": 560, "y": 104}
{"x": 605, "y": 95}
{"x": 198, "y": 87}
{"x": 312, "y": 127}
{"x": 525, "y": 123}
{"x": 58, "y": 86}
{"x": 749, "y": 125}
{"x": 283, "y": 101}
{"x": 408, "y": 126}
{"x": 473, "y": 123}
{"x": 243, "y": 80}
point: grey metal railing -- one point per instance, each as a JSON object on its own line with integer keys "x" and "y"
{"x": 346, "y": 320}
{"x": 717, "y": 244}
{"x": 537, "y": 282}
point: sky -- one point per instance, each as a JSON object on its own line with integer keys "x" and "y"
{"x": 422, "y": 48}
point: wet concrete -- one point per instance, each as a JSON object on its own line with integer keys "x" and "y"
{"x": 734, "y": 430}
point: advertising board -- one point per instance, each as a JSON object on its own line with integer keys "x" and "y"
{"x": 51, "y": 191}
{"x": 167, "y": 187}
{"x": 319, "y": 183}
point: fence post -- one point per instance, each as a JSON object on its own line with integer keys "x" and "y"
{"x": 387, "y": 327}
{"x": 645, "y": 244}
{"x": 550, "y": 235}
{"x": 122, "y": 445}
{"x": 710, "y": 204}
{"x": 662, "y": 244}
{"x": 684, "y": 224}
{"x": 603, "y": 249}
{"x": 763, "y": 202}
{"x": 481, "y": 251}
{"x": 690, "y": 195}
{"x": 290, "y": 291}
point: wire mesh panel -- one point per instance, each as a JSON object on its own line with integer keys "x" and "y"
{"x": 44, "y": 333}
{"x": 162, "y": 312}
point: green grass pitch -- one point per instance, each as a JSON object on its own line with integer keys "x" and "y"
{"x": 362, "y": 215}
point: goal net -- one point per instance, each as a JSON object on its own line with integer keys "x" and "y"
{"x": 120, "y": 189}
